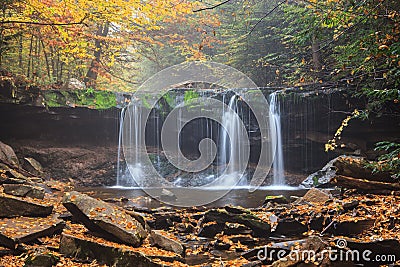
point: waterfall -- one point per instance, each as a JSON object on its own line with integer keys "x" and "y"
{"x": 134, "y": 116}
{"x": 230, "y": 145}
{"x": 276, "y": 137}
{"x": 121, "y": 125}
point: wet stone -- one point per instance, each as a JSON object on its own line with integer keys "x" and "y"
{"x": 105, "y": 219}
{"x": 23, "y": 229}
{"x": 24, "y": 190}
{"x": 315, "y": 195}
{"x": 259, "y": 227}
{"x": 166, "y": 241}
{"x": 12, "y": 206}
{"x": 41, "y": 259}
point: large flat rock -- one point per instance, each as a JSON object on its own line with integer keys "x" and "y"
{"x": 24, "y": 190}
{"x": 11, "y": 206}
{"x": 166, "y": 241}
{"x": 24, "y": 229}
{"x": 105, "y": 219}
{"x": 77, "y": 243}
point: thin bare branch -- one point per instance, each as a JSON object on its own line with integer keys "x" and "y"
{"x": 43, "y": 23}
{"x": 266, "y": 15}
{"x": 212, "y": 7}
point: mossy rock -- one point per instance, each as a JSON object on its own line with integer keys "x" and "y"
{"x": 80, "y": 98}
{"x": 281, "y": 199}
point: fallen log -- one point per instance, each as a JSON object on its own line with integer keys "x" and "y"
{"x": 363, "y": 184}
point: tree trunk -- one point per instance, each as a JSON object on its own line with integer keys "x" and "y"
{"x": 316, "y": 55}
{"x": 28, "y": 73}
{"x": 46, "y": 59}
{"x": 20, "y": 48}
{"x": 91, "y": 75}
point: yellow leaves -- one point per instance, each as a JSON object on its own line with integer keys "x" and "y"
{"x": 381, "y": 47}
{"x": 331, "y": 144}
{"x": 392, "y": 15}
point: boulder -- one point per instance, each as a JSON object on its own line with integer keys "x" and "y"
{"x": 41, "y": 259}
{"x": 290, "y": 227}
{"x": 22, "y": 190}
{"x": 321, "y": 178}
{"x": 24, "y": 229}
{"x": 12, "y": 206}
{"x": 359, "y": 167}
{"x": 281, "y": 199}
{"x": 350, "y": 166}
{"x": 166, "y": 241}
{"x": 315, "y": 195}
{"x": 7, "y": 155}
{"x": 164, "y": 219}
{"x": 236, "y": 229}
{"x": 259, "y": 227}
{"x": 105, "y": 219}
{"x": 33, "y": 166}
{"x": 210, "y": 229}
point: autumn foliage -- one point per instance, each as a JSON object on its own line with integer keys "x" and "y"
{"x": 50, "y": 41}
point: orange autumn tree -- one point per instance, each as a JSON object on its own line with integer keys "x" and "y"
{"x": 56, "y": 40}
{"x": 192, "y": 37}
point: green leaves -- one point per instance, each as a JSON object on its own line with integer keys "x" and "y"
{"x": 390, "y": 161}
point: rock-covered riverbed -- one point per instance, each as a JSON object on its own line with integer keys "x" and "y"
{"x": 47, "y": 223}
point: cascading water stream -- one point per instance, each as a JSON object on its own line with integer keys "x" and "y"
{"x": 134, "y": 116}
{"x": 276, "y": 137}
{"x": 230, "y": 145}
{"x": 121, "y": 123}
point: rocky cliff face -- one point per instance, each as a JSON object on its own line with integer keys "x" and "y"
{"x": 76, "y": 143}
{"x": 310, "y": 119}
{"x": 80, "y": 142}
